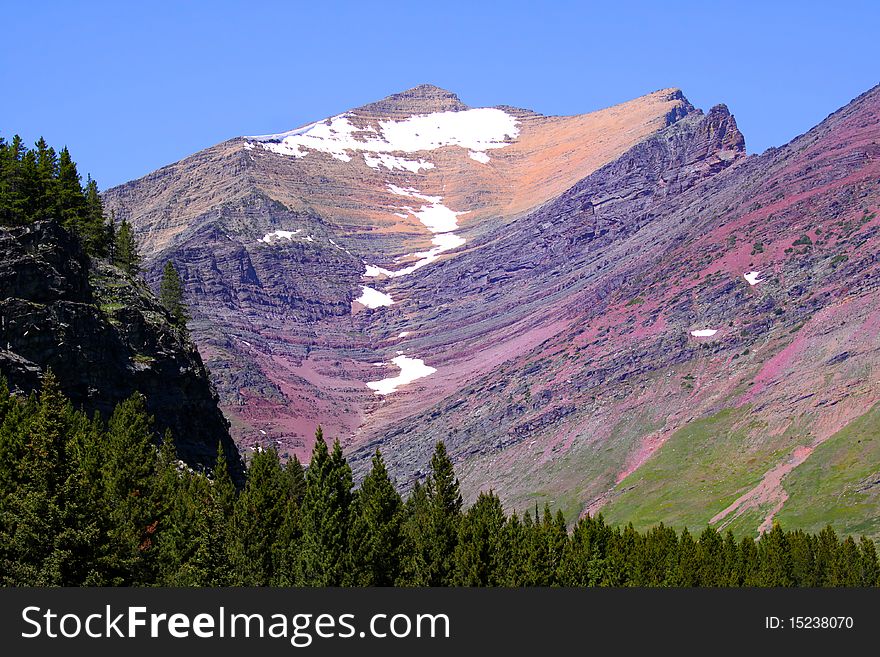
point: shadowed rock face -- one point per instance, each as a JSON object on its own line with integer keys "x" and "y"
{"x": 104, "y": 337}
{"x": 598, "y": 305}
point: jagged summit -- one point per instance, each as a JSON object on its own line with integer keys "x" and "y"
{"x": 423, "y": 99}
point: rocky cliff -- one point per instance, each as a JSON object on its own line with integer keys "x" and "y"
{"x": 105, "y": 336}
{"x": 618, "y": 310}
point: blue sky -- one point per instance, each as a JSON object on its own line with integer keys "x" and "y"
{"x": 130, "y": 87}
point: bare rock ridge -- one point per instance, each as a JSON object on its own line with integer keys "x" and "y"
{"x": 104, "y": 337}
{"x": 423, "y": 99}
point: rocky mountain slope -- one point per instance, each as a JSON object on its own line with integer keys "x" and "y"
{"x": 104, "y": 336}
{"x": 616, "y": 311}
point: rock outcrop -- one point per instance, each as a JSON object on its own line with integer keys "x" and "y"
{"x": 104, "y": 336}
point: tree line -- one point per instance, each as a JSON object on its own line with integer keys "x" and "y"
{"x": 40, "y": 184}
{"x": 89, "y": 502}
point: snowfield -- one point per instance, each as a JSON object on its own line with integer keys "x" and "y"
{"x": 373, "y": 298}
{"x": 410, "y": 370}
{"x": 476, "y": 130}
{"x": 277, "y": 235}
{"x": 752, "y": 277}
{"x": 436, "y": 217}
{"x": 443, "y": 242}
{"x": 704, "y": 333}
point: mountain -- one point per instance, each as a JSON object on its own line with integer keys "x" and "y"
{"x": 104, "y": 336}
{"x": 617, "y": 311}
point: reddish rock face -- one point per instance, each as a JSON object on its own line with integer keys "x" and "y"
{"x": 588, "y": 299}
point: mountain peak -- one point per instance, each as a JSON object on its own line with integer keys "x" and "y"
{"x": 423, "y": 99}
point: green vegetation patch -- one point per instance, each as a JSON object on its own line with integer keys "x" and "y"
{"x": 839, "y": 483}
{"x": 703, "y": 468}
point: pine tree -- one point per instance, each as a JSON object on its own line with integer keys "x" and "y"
{"x": 775, "y": 558}
{"x": 481, "y": 554}
{"x": 125, "y": 250}
{"x": 14, "y": 191}
{"x": 827, "y": 546}
{"x": 257, "y": 544}
{"x": 803, "y": 562}
{"x": 849, "y": 564}
{"x": 296, "y": 479}
{"x": 710, "y": 554}
{"x": 869, "y": 566}
{"x": 376, "y": 533}
{"x": 36, "y": 518}
{"x": 732, "y": 561}
{"x": 171, "y": 295}
{"x": 326, "y": 514}
{"x": 45, "y": 186}
{"x": 223, "y": 491}
{"x": 415, "y": 555}
{"x": 130, "y": 476}
{"x": 70, "y": 202}
{"x": 687, "y": 568}
{"x": 444, "y": 513}
{"x": 95, "y": 230}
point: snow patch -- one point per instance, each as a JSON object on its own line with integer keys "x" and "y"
{"x": 479, "y": 156}
{"x": 752, "y": 277}
{"x": 704, "y": 333}
{"x": 373, "y": 298}
{"x": 340, "y": 247}
{"x": 403, "y": 334}
{"x": 392, "y": 162}
{"x": 436, "y": 217}
{"x": 410, "y": 370}
{"x": 277, "y": 235}
{"x": 443, "y": 242}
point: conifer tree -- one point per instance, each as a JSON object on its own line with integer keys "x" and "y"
{"x": 775, "y": 558}
{"x": 125, "y": 250}
{"x": 803, "y": 564}
{"x": 47, "y": 193}
{"x": 481, "y": 554}
{"x": 732, "y": 561}
{"x": 171, "y": 295}
{"x": 826, "y": 557}
{"x": 688, "y": 565}
{"x": 257, "y": 544}
{"x": 223, "y": 490}
{"x": 32, "y": 525}
{"x": 444, "y": 504}
{"x": 15, "y": 209}
{"x": 416, "y": 514}
{"x": 130, "y": 477}
{"x": 96, "y": 231}
{"x": 296, "y": 479}
{"x": 326, "y": 517}
{"x": 376, "y": 533}
{"x": 69, "y": 199}
{"x": 710, "y": 554}
{"x": 515, "y": 542}
{"x": 869, "y": 568}
{"x": 848, "y": 566}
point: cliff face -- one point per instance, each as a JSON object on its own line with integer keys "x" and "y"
{"x": 616, "y": 311}
{"x": 104, "y": 336}
{"x": 274, "y": 247}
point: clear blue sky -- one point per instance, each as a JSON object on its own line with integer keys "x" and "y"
{"x": 130, "y": 87}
